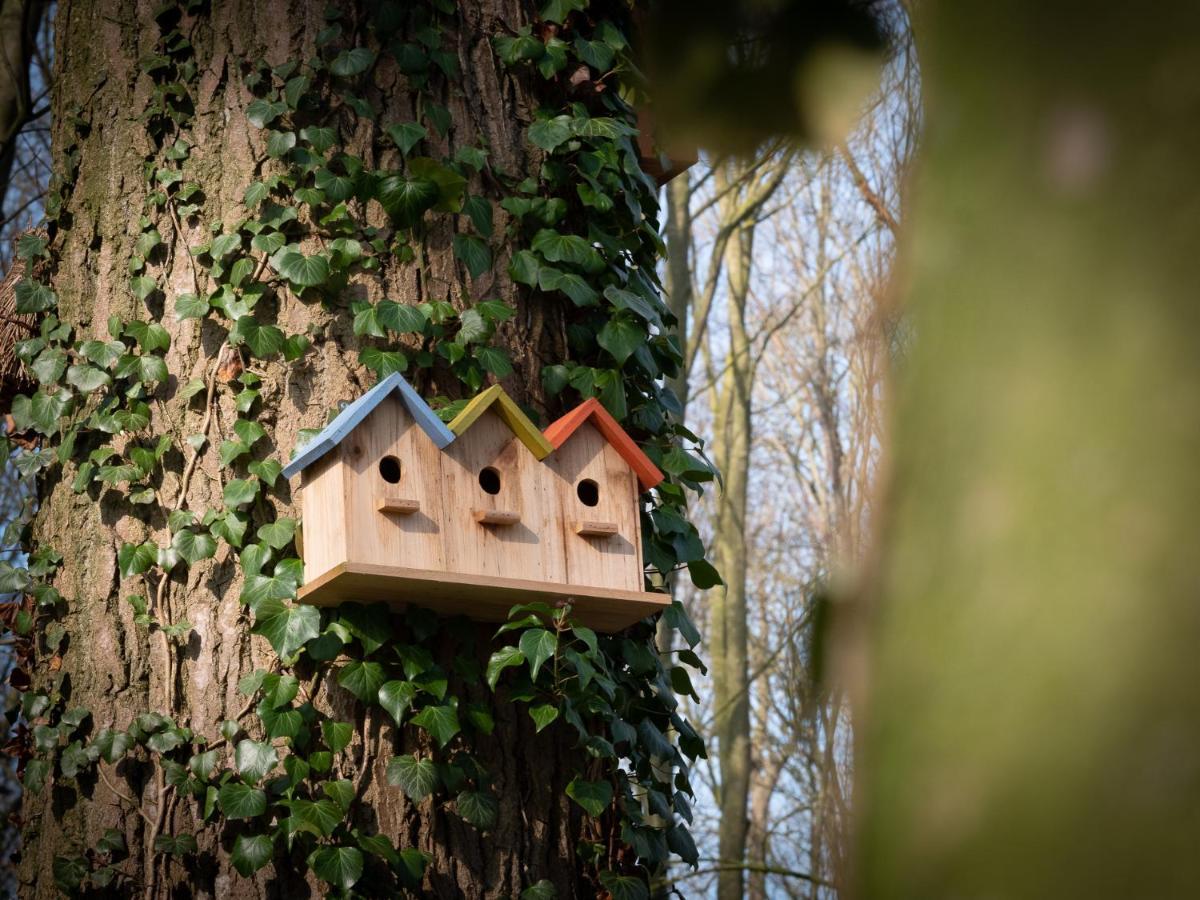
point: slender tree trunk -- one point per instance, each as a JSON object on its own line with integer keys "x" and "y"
{"x": 19, "y": 21}
{"x": 732, "y": 425}
{"x": 1033, "y": 725}
{"x": 110, "y": 664}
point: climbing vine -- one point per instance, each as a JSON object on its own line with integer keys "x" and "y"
{"x": 278, "y": 781}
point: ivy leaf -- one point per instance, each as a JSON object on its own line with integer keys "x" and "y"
{"x": 474, "y": 252}
{"x": 569, "y": 248}
{"x": 480, "y": 808}
{"x": 396, "y": 697}
{"x": 622, "y": 299}
{"x": 538, "y": 645}
{"x": 501, "y": 660}
{"x": 439, "y": 721}
{"x": 261, "y": 113}
{"x": 624, "y": 887}
{"x": 620, "y": 337}
{"x": 190, "y": 306}
{"x": 416, "y": 777}
{"x": 383, "y": 362}
{"x": 134, "y": 559}
{"x": 480, "y": 212}
{"x": 570, "y": 283}
{"x": 541, "y": 890}
{"x": 543, "y": 714}
{"x": 49, "y": 366}
{"x": 288, "y": 628}
{"x": 305, "y": 271}
{"x": 337, "y": 734}
{"x": 112, "y": 745}
{"x": 254, "y": 760}
{"x": 340, "y": 866}
{"x": 593, "y": 796}
{"x": 550, "y": 133}
{"x": 524, "y": 268}
{"x": 280, "y": 142}
{"x": 406, "y": 199}
{"x": 33, "y": 297}
{"x": 193, "y": 546}
{"x": 473, "y": 327}
{"x": 251, "y": 852}
{"x": 353, "y": 62}
{"x": 239, "y": 492}
{"x": 240, "y": 801}
{"x": 400, "y": 317}
{"x": 406, "y": 135}
{"x": 263, "y": 340}
{"x": 495, "y": 361}
{"x": 362, "y": 679}
{"x": 175, "y": 844}
{"x": 277, "y": 534}
{"x": 679, "y": 839}
{"x": 41, "y": 412}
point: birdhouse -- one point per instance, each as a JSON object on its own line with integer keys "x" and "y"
{"x": 474, "y": 517}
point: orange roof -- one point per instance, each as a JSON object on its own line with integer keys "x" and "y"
{"x": 591, "y": 410}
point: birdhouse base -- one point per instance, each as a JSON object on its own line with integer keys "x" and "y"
{"x": 478, "y": 596}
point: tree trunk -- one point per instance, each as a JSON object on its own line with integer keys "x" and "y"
{"x": 1033, "y": 722}
{"x": 110, "y": 665}
{"x": 730, "y": 628}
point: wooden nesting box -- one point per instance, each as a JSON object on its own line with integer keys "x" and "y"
{"x": 477, "y": 516}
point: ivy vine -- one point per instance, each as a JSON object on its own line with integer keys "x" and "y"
{"x": 279, "y": 779}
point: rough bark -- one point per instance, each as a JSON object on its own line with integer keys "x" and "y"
{"x": 1033, "y": 723}
{"x": 109, "y": 665}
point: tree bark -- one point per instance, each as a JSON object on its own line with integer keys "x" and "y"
{"x": 109, "y": 665}
{"x": 1033, "y": 722}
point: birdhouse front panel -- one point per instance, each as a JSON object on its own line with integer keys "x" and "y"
{"x": 394, "y": 497}
{"x": 597, "y": 512}
{"x": 496, "y": 504}
{"x": 325, "y": 526}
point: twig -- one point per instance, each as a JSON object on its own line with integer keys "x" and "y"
{"x": 123, "y": 796}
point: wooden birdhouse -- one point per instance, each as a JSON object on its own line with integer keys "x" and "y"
{"x": 477, "y": 516}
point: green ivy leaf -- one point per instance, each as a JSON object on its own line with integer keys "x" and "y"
{"x": 572, "y": 284}
{"x": 288, "y": 628}
{"x": 474, "y": 253}
{"x": 502, "y": 659}
{"x": 523, "y": 268}
{"x": 340, "y": 866}
{"x": 624, "y": 887}
{"x": 278, "y": 534}
{"x": 279, "y": 143}
{"x": 480, "y": 808}
{"x": 193, "y": 546}
{"x": 541, "y": 890}
{"x": 175, "y": 844}
{"x": 352, "y": 62}
{"x": 261, "y": 113}
{"x": 254, "y": 760}
{"x": 417, "y": 778}
{"x": 406, "y": 135}
{"x": 396, "y": 697}
{"x": 240, "y": 801}
{"x": 33, "y": 297}
{"x": 538, "y": 645}
{"x": 263, "y": 340}
{"x": 305, "y": 271}
{"x": 620, "y": 337}
{"x": 495, "y": 361}
{"x": 568, "y": 248}
{"x": 239, "y": 492}
{"x": 134, "y": 559}
{"x": 383, "y": 362}
{"x": 440, "y": 721}
{"x": 400, "y": 317}
{"x": 406, "y": 199}
{"x": 543, "y": 714}
{"x": 86, "y": 379}
{"x": 251, "y": 852}
{"x": 550, "y": 133}
{"x": 593, "y": 796}
{"x": 338, "y": 735}
{"x": 362, "y": 679}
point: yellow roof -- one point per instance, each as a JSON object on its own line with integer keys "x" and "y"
{"x": 508, "y": 410}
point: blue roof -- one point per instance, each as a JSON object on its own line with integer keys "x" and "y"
{"x": 351, "y": 417}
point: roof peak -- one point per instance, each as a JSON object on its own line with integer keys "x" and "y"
{"x": 510, "y": 413}
{"x": 591, "y": 410}
{"x": 357, "y": 410}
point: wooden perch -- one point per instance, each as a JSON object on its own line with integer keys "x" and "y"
{"x": 596, "y": 529}
{"x": 398, "y": 506}
{"x": 496, "y": 517}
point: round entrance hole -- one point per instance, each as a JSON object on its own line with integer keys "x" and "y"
{"x": 588, "y": 491}
{"x": 389, "y": 469}
{"x": 489, "y": 480}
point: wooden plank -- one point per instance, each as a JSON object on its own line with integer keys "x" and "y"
{"x": 494, "y": 398}
{"x": 398, "y": 505}
{"x": 323, "y": 500}
{"x": 591, "y": 411}
{"x": 486, "y": 598}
